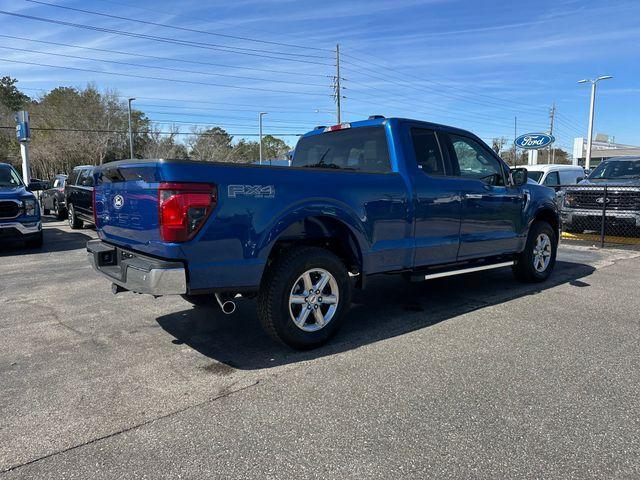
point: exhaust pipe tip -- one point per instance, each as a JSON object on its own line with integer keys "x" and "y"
{"x": 227, "y": 306}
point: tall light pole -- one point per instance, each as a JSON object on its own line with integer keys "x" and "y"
{"x": 130, "y": 131}
{"x": 262, "y": 114}
{"x": 593, "y": 82}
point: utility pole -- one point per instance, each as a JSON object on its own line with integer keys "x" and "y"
{"x": 130, "y": 131}
{"x": 337, "y": 84}
{"x": 262, "y": 114}
{"x": 587, "y": 160}
{"x": 552, "y": 114}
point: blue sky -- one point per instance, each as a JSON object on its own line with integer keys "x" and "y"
{"x": 472, "y": 64}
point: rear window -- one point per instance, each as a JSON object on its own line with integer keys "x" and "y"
{"x": 535, "y": 176}
{"x": 362, "y": 149}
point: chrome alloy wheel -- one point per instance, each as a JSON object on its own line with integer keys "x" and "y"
{"x": 542, "y": 253}
{"x": 313, "y": 300}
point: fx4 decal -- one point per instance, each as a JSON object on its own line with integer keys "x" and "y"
{"x": 254, "y": 191}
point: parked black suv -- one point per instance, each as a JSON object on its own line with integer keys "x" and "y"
{"x": 52, "y": 199}
{"x": 78, "y": 192}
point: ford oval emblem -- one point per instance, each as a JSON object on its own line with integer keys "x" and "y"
{"x": 118, "y": 202}
{"x": 533, "y": 141}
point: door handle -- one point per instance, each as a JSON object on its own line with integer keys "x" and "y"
{"x": 474, "y": 196}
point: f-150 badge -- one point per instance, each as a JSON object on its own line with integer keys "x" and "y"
{"x": 254, "y": 191}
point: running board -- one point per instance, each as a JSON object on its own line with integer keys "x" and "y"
{"x": 462, "y": 271}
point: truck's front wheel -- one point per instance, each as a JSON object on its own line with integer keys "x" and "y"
{"x": 536, "y": 262}
{"x": 304, "y": 296}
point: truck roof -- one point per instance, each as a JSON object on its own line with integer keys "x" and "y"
{"x": 381, "y": 120}
{"x": 552, "y": 166}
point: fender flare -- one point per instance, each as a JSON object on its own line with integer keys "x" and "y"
{"x": 313, "y": 208}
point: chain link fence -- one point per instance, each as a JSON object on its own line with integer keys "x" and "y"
{"x": 606, "y": 215}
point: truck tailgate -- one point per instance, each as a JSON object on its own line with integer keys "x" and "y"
{"x": 127, "y": 206}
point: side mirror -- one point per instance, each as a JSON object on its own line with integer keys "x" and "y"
{"x": 519, "y": 177}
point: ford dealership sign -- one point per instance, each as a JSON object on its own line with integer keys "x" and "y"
{"x": 533, "y": 141}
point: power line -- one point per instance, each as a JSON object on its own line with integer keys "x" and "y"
{"x": 145, "y": 77}
{"x": 46, "y": 118}
{"x": 190, "y": 17}
{"x": 180, "y": 70}
{"x": 169, "y": 40}
{"x": 90, "y": 130}
{"x": 465, "y": 93}
{"x": 154, "y": 57}
{"x": 280, "y": 122}
{"x": 444, "y": 85}
{"x": 406, "y": 84}
{"x": 235, "y": 37}
{"x": 184, "y": 100}
{"x": 413, "y": 101}
{"x": 412, "y": 105}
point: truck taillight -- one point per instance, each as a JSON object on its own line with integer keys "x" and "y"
{"x": 183, "y": 208}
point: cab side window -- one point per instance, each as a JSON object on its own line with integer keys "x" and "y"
{"x": 427, "y": 150}
{"x": 552, "y": 179}
{"x": 87, "y": 180}
{"x": 73, "y": 178}
{"x": 475, "y": 161}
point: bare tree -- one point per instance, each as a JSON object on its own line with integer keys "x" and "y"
{"x": 164, "y": 145}
{"x": 498, "y": 143}
{"x": 210, "y": 145}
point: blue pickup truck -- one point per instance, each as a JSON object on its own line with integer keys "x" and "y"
{"x": 19, "y": 210}
{"x": 383, "y": 195}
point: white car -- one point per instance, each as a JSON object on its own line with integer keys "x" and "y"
{"x": 553, "y": 175}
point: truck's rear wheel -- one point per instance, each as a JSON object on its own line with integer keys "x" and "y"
{"x": 74, "y": 221}
{"x": 304, "y": 296}
{"x": 538, "y": 259}
{"x": 57, "y": 211}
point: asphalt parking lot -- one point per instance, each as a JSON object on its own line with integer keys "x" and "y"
{"x": 469, "y": 377}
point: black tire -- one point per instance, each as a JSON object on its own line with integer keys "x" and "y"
{"x": 74, "y": 222}
{"x": 57, "y": 211}
{"x": 282, "y": 276}
{"x": 45, "y": 211}
{"x": 200, "y": 300}
{"x": 35, "y": 242}
{"x": 524, "y": 268}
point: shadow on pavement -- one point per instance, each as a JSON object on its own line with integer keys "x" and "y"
{"x": 56, "y": 239}
{"x": 388, "y": 307}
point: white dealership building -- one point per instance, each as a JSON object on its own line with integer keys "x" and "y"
{"x": 603, "y": 147}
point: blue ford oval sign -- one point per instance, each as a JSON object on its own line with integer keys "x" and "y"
{"x": 533, "y": 141}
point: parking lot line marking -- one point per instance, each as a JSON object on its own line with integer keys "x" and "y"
{"x": 592, "y": 237}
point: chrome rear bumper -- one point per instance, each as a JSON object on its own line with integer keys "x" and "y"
{"x": 135, "y": 272}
